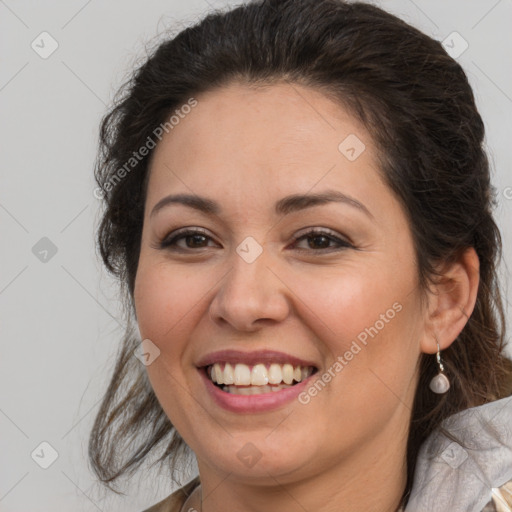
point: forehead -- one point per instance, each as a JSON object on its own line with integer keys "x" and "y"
{"x": 283, "y": 137}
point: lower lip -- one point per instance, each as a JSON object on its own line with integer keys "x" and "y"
{"x": 253, "y": 403}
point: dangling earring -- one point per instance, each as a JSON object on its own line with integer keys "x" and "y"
{"x": 440, "y": 383}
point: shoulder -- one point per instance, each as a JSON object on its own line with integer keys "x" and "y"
{"x": 175, "y": 501}
{"x": 467, "y": 464}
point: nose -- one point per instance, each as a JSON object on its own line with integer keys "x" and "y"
{"x": 251, "y": 295}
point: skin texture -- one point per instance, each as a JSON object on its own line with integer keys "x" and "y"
{"x": 246, "y": 148}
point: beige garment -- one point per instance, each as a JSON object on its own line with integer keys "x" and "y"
{"x": 175, "y": 501}
{"x": 501, "y": 499}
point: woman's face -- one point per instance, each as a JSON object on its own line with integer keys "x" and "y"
{"x": 344, "y": 300}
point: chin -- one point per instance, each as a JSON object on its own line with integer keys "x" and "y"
{"x": 259, "y": 460}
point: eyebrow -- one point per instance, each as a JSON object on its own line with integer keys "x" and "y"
{"x": 284, "y": 206}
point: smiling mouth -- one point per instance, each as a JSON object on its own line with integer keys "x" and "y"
{"x": 243, "y": 379}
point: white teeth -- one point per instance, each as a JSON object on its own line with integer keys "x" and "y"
{"x": 217, "y": 374}
{"x": 242, "y": 375}
{"x": 275, "y": 374}
{"x": 253, "y": 390}
{"x": 229, "y": 374}
{"x": 258, "y": 375}
{"x": 287, "y": 373}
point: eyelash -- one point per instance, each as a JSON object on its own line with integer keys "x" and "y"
{"x": 168, "y": 243}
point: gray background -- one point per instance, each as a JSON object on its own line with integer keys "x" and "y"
{"x": 60, "y": 321}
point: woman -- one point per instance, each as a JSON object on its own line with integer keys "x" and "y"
{"x": 299, "y": 210}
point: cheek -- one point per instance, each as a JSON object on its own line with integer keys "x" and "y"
{"x": 164, "y": 302}
{"x": 369, "y": 323}
{"x": 355, "y": 304}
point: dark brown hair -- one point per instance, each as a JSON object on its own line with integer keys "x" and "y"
{"x": 417, "y": 104}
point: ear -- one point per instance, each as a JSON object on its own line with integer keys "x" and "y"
{"x": 451, "y": 302}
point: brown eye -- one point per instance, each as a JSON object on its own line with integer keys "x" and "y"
{"x": 318, "y": 241}
{"x": 193, "y": 239}
{"x": 323, "y": 241}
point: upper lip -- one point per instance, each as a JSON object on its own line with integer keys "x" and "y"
{"x": 252, "y": 358}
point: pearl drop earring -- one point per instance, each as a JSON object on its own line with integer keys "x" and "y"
{"x": 440, "y": 383}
